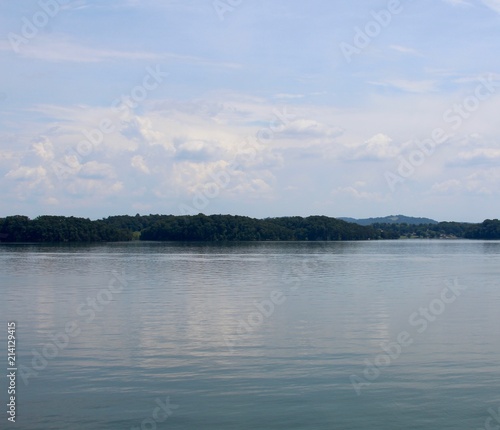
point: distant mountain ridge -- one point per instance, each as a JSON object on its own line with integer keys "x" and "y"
{"x": 391, "y": 219}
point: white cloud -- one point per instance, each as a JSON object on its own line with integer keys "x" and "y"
{"x": 96, "y": 170}
{"x": 198, "y": 151}
{"x": 26, "y": 173}
{"x": 95, "y": 188}
{"x": 486, "y": 182}
{"x": 405, "y": 50}
{"x": 116, "y": 187}
{"x": 137, "y": 162}
{"x": 9, "y": 157}
{"x": 492, "y": 4}
{"x": 284, "y": 96}
{"x": 311, "y": 128}
{"x": 142, "y": 129}
{"x": 482, "y": 182}
{"x": 421, "y": 86}
{"x": 60, "y": 49}
{"x": 44, "y": 149}
{"x": 487, "y": 76}
{"x": 355, "y": 192}
{"x": 29, "y": 180}
{"x": 172, "y": 151}
{"x": 379, "y": 146}
{"x": 52, "y": 201}
{"x": 448, "y": 186}
{"x": 480, "y": 154}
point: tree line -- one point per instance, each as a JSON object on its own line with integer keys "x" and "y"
{"x": 489, "y": 229}
{"x": 424, "y": 231}
{"x": 47, "y": 228}
{"x": 218, "y": 228}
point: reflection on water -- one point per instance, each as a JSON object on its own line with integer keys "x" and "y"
{"x": 253, "y": 335}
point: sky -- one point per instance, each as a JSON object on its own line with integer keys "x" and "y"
{"x": 261, "y": 108}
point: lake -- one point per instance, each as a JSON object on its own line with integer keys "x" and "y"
{"x": 324, "y": 335}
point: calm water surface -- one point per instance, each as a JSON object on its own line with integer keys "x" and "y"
{"x": 254, "y": 336}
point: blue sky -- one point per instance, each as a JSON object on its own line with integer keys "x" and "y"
{"x": 259, "y": 108}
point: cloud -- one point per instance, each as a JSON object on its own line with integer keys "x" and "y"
{"x": 197, "y": 151}
{"x": 48, "y": 48}
{"x": 8, "y": 158}
{"x": 60, "y": 49}
{"x": 44, "y": 149}
{"x": 441, "y": 73}
{"x": 284, "y": 96}
{"x": 446, "y": 187}
{"x": 29, "y": 179}
{"x": 94, "y": 188}
{"x": 484, "y": 155}
{"x": 137, "y": 162}
{"x": 179, "y": 151}
{"x": 421, "y": 87}
{"x": 405, "y": 50}
{"x": 203, "y": 178}
{"x": 26, "y": 173}
{"x": 356, "y": 192}
{"x": 96, "y": 170}
{"x": 144, "y": 4}
{"x": 458, "y": 2}
{"x": 255, "y": 187}
{"x": 173, "y": 151}
{"x": 377, "y": 147}
{"x": 304, "y": 127}
{"x": 52, "y": 201}
{"x": 487, "y": 76}
{"x": 485, "y": 182}
{"x": 141, "y": 129}
{"x": 492, "y": 4}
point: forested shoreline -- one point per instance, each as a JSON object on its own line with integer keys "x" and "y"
{"x": 220, "y": 228}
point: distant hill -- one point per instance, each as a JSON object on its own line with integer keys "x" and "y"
{"x": 392, "y": 219}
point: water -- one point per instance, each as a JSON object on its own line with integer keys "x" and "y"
{"x": 182, "y": 321}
